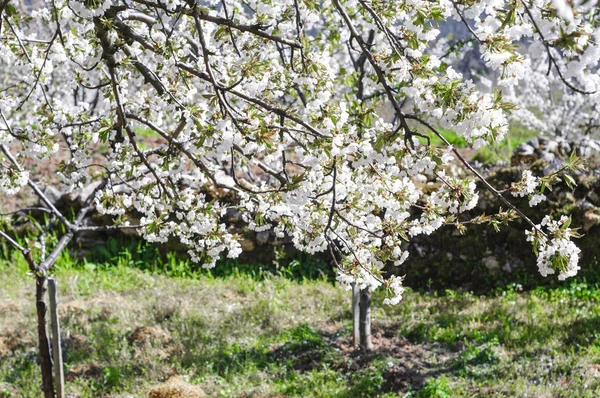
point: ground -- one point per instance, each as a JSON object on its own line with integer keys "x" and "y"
{"x": 127, "y": 331}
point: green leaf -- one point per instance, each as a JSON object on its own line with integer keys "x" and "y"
{"x": 403, "y": 236}
{"x": 103, "y": 133}
{"x": 10, "y": 10}
{"x": 569, "y": 181}
{"x": 573, "y": 156}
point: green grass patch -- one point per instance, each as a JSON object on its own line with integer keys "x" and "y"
{"x": 126, "y": 329}
{"x": 493, "y": 153}
{"x": 148, "y": 257}
{"x": 503, "y": 150}
{"x": 450, "y": 136}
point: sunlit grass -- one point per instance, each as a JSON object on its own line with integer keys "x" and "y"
{"x": 263, "y": 335}
{"x": 493, "y": 153}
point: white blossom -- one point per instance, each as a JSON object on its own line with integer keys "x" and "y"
{"x": 306, "y": 133}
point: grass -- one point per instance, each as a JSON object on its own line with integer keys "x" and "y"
{"x": 493, "y": 153}
{"x": 263, "y": 335}
{"x": 503, "y": 150}
{"x": 131, "y": 252}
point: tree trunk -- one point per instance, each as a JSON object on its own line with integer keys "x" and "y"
{"x": 44, "y": 342}
{"x": 355, "y": 314}
{"x": 366, "y": 342}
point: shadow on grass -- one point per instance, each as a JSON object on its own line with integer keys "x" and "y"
{"x": 583, "y": 332}
{"x": 304, "y": 361}
{"x": 515, "y": 325}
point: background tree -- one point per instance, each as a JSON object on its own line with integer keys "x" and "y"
{"x": 313, "y": 119}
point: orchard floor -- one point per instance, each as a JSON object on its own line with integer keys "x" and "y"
{"x": 126, "y": 331}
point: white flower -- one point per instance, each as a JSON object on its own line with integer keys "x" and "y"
{"x": 306, "y": 143}
{"x": 556, "y": 252}
{"x": 395, "y": 286}
{"x": 536, "y": 199}
{"x": 526, "y": 186}
{"x": 12, "y": 182}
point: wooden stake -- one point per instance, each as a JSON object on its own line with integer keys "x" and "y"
{"x": 355, "y": 314}
{"x": 366, "y": 342}
{"x": 59, "y": 378}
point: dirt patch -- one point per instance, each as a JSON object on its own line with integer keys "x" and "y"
{"x": 6, "y": 391}
{"x": 89, "y": 371}
{"x": 408, "y": 364}
{"x": 77, "y": 342}
{"x": 10, "y": 306}
{"x": 405, "y": 365}
{"x": 235, "y": 296}
{"x": 4, "y": 349}
{"x": 152, "y": 342}
{"x": 148, "y": 334}
{"x": 82, "y": 314}
{"x": 594, "y": 370}
{"x": 14, "y": 339}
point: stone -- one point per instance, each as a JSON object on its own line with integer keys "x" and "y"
{"x": 133, "y": 220}
{"x": 568, "y": 197}
{"x": 525, "y": 150}
{"x": 52, "y": 194}
{"x": 247, "y": 245}
{"x": 87, "y": 191}
{"x": 233, "y": 215}
{"x": 491, "y": 263}
{"x": 549, "y": 157}
{"x": 262, "y": 237}
{"x": 590, "y": 219}
{"x": 585, "y": 205}
{"x": 552, "y": 146}
{"x": 279, "y": 241}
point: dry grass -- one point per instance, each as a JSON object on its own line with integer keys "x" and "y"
{"x": 176, "y": 387}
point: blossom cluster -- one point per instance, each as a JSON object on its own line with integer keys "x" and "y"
{"x": 11, "y": 181}
{"x": 311, "y": 121}
{"x": 527, "y": 187}
{"x": 555, "y": 251}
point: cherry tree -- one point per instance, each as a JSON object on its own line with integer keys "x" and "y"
{"x": 312, "y": 119}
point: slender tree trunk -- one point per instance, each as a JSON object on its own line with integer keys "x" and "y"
{"x": 44, "y": 342}
{"x": 355, "y": 314}
{"x": 366, "y": 342}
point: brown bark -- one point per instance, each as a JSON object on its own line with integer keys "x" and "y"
{"x": 44, "y": 341}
